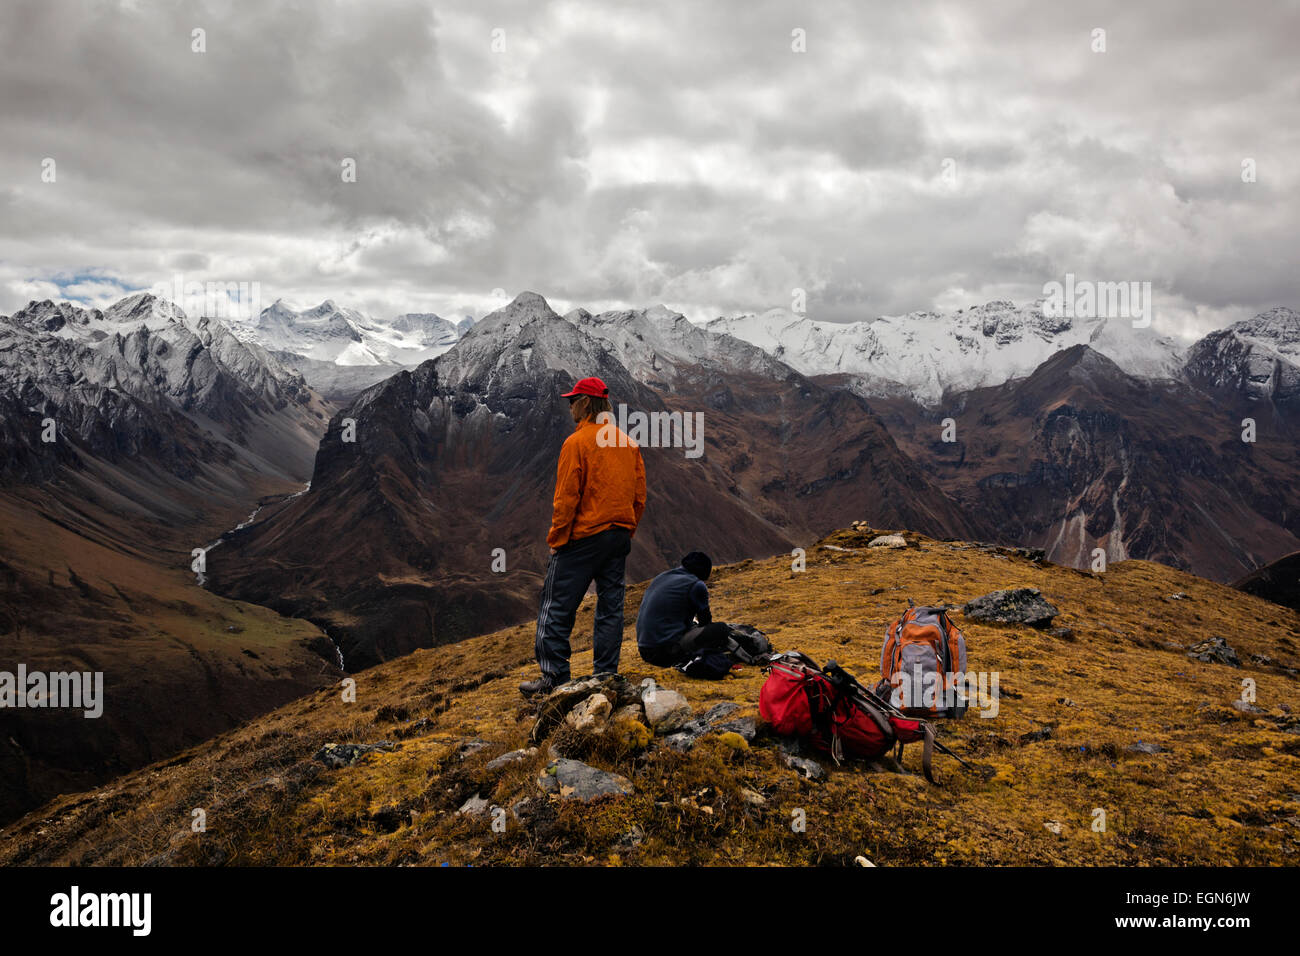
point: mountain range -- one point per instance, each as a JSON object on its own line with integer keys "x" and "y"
{"x": 392, "y": 548}
{"x": 340, "y": 351}
{"x": 1080, "y": 457}
{"x": 924, "y": 356}
{"x": 361, "y": 478}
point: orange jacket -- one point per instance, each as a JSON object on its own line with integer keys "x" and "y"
{"x": 596, "y": 487}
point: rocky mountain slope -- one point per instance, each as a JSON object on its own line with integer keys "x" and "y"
{"x": 1278, "y": 581}
{"x": 141, "y": 381}
{"x": 1257, "y": 359}
{"x": 1080, "y": 456}
{"x": 1118, "y": 702}
{"x": 167, "y": 432}
{"x": 392, "y": 548}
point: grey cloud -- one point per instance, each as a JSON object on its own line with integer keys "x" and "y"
{"x": 631, "y": 152}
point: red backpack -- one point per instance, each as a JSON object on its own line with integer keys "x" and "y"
{"x": 833, "y": 712}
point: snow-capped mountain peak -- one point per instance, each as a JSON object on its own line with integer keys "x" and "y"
{"x": 1278, "y": 329}
{"x": 657, "y": 343}
{"x": 1259, "y": 357}
{"x": 924, "y": 354}
{"x": 144, "y": 347}
{"x": 338, "y": 335}
{"x": 519, "y": 340}
{"x": 144, "y": 308}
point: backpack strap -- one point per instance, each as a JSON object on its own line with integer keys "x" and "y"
{"x": 822, "y": 712}
{"x": 927, "y": 754}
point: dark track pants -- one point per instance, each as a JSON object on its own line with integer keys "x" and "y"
{"x": 702, "y": 637}
{"x": 600, "y": 558}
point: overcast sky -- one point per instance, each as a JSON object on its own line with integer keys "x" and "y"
{"x": 632, "y": 153}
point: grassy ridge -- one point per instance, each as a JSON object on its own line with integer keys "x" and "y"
{"x": 1223, "y": 792}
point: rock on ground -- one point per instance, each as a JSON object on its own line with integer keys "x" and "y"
{"x": 666, "y": 710}
{"x": 615, "y": 688}
{"x": 1012, "y": 606}
{"x": 475, "y": 806}
{"x": 575, "y": 780}
{"x": 1145, "y": 747}
{"x": 629, "y": 712}
{"x": 888, "y": 541}
{"x": 1214, "y": 651}
{"x": 747, "y": 727}
{"x": 809, "y": 769}
{"x": 713, "y": 715}
{"x": 497, "y": 763}
{"x": 591, "y": 714}
{"x": 336, "y": 756}
{"x": 713, "y": 721}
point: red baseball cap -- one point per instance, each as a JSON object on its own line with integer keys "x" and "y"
{"x": 588, "y": 386}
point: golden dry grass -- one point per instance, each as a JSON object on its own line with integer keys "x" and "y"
{"x": 1226, "y": 791}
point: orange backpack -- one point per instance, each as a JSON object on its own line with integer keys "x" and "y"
{"x": 923, "y": 664}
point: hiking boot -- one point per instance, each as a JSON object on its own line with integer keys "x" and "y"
{"x": 543, "y": 685}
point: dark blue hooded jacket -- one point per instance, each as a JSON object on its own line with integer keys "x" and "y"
{"x": 671, "y": 605}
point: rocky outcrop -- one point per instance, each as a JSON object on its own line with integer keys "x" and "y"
{"x": 1214, "y": 650}
{"x": 1014, "y": 606}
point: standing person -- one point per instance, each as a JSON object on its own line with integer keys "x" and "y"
{"x": 675, "y": 622}
{"x": 599, "y": 498}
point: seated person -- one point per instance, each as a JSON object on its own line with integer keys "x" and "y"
{"x": 674, "y": 623}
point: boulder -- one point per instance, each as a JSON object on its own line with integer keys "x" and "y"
{"x": 666, "y": 710}
{"x": 888, "y": 541}
{"x": 575, "y": 780}
{"x": 629, "y": 712}
{"x": 1013, "y": 606}
{"x": 591, "y": 714}
{"x": 705, "y": 722}
{"x": 336, "y": 756}
{"x": 514, "y": 756}
{"x": 559, "y": 702}
{"x": 746, "y": 727}
{"x": 1215, "y": 650}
